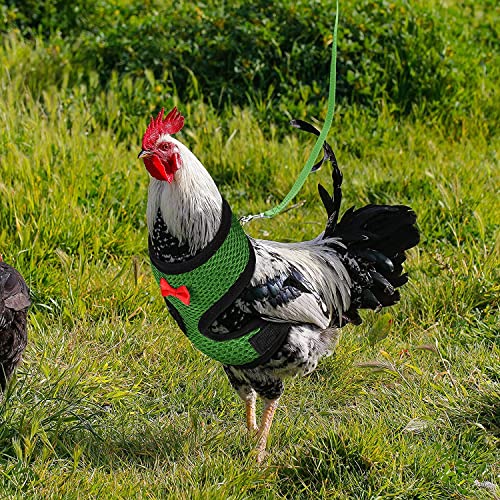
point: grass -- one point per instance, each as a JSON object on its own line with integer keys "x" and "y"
{"x": 112, "y": 401}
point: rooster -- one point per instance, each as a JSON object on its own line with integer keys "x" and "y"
{"x": 14, "y": 303}
{"x": 297, "y": 295}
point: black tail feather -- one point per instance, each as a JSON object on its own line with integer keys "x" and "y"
{"x": 331, "y": 203}
{"x": 377, "y": 237}
{"x": 327, "y": 200}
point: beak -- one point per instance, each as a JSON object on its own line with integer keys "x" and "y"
{"x": 144, "y": 153}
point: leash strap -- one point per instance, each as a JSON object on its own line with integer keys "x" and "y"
{"x": 309, "y": 166}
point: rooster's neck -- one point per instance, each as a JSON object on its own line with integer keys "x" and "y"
{"x": 191, "y": 206}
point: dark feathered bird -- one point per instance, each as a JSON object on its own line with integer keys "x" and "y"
{"x": 299, "y": 293}
{"x": 14, "y": 303}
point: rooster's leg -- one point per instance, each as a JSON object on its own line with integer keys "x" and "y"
{"x": 246, "y": 393}
{"x": 270, "y": 406}
{"x": 250, "y": 413}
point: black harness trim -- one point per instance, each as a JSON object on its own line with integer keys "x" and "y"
{"x": 267, "y": 342}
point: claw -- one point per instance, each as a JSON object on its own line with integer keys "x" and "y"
{"x": 261, "y": 456}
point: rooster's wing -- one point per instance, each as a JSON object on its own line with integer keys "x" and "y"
{"x": 298, "y": 283}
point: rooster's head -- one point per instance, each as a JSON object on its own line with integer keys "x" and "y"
{"x": 160, "y": 155}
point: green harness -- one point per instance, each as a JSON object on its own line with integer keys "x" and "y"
{"x": 199, "y": 290}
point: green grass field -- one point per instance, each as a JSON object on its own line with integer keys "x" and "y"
{"x": 112, "y": 401}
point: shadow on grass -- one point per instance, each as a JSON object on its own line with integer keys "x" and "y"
{"x": 322, "y": 466}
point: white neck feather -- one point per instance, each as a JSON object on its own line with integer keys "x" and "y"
{"x": 191, "y": 205}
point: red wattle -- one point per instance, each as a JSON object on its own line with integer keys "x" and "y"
{"x": 163, "y": 171}
{"x": 155, "y": 168}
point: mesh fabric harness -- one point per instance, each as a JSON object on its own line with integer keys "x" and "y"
{"x": 215, "y": 278}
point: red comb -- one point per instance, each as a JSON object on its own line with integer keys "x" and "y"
{"x": 171, "y": 124}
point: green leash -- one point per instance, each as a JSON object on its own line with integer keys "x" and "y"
{"x": 319, "y": 142}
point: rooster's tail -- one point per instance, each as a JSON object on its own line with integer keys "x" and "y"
{"x": 376, "y": 239}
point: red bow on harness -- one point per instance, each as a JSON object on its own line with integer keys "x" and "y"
{"x": 181, "y": 293}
